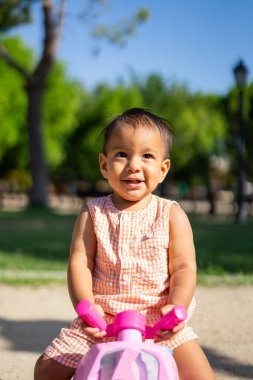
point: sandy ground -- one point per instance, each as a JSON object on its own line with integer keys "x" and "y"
{"x": 31, "y": 317}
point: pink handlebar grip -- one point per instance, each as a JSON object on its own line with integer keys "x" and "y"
{"x": 129, "y": 320}
{"x": 89, "y": 314}
{"x": 171, "y": 319}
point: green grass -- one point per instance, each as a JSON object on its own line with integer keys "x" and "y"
{"x": 223, "y": 246}
{"x": 35, "y": 240}
{"x": 34, "y": 247}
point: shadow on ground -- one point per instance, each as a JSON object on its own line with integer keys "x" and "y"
{"x": 34, "y": 336}
{"x": 31, "y": 336}
{"x": 228, "y": 364}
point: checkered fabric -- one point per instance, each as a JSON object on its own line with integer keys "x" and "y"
{"x": 131, "y": 272}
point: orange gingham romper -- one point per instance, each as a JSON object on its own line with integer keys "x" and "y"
{"x": 131, "y": 272}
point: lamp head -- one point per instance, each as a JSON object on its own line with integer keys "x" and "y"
{"x": 241, "y": 73}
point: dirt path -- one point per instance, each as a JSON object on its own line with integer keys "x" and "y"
{"x": 30, "y": 317}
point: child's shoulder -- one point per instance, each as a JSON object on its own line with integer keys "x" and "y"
{"x": 98, "y": 206}
{"x": 170, "y": 208}
{"x": 164, "y": 202}
{"x": 99, "y": 203}
{"x": 177, "y": 216}
{"x": 98, "y": 200}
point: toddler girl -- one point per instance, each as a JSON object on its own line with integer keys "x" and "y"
{"x": 131, "y": 250}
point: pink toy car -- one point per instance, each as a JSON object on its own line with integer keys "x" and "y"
{"x": 128, "y": 358}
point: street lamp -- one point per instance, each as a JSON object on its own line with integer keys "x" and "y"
{"x": 241, "y": 72}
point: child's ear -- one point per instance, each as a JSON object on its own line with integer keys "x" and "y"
{"x": 165, "y": 167}
{"x": 103, "y": 165}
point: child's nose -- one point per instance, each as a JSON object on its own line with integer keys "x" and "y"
{"x": 133, "y": 165}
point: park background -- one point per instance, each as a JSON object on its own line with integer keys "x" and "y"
{"x": 63, "y": 75}
{"x": 65, "y": 72}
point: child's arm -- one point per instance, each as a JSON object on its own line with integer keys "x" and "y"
{"x": 182, "y": 261}
{"x": 80, "y": 266}
{"x": 182, "y": 267}
{"x": 81, "y": 259}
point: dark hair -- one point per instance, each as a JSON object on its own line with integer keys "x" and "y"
{"x": 137, "y": 117}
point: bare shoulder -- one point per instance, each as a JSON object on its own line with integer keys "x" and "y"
{"x": 83, "y": 221}
{"x": 181, "y": 246}
{"x": 178, "y": 220}
{"x": 83, "y": 236}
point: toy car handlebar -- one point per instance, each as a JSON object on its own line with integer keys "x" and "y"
{"x": 130, "y": 320}
{"x": 90, "y": 315}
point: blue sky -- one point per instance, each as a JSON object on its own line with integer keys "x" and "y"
{"x": 196, "y": 42}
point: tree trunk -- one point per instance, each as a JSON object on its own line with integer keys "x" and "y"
{"x": 211, "y": 199}
{"x": 35, "y": 84}
{"x": 40, "y": 181}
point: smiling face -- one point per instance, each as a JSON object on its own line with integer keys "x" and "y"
{"x": 134, "y": 165}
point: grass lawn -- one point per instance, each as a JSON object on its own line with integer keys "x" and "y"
{"x": 36, "y": 243}
{"x": 224, "y": 248}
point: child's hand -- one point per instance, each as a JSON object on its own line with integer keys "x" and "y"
{"x": 94, "y": 332}
{"x": 163, "y": 335}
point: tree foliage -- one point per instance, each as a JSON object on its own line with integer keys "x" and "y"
{"x": 62, "y": 101}
{"x": 12, "y": 96}
{"x": 61, "y": 106}
{"x": 119, "y": 33}
{"x": 14, "y": 13}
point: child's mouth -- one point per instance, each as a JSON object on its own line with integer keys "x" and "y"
{"x": 133, "y": 181}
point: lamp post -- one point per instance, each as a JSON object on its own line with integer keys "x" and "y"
{"x": 240, "y": 72}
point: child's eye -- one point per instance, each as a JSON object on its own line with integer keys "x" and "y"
{"x": 121, "y": 154}
{"x": 148, "y": 156}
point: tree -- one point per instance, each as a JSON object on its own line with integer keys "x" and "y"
{"x": 62, "y": 101}
{"x": 17, "y": 13}
{"x": 35, "y": 81}
{"x": 12, "y": 98}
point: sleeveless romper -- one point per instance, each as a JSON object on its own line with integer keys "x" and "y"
{"x": 130, "y": 272}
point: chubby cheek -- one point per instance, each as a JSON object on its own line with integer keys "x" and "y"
{"x": 115, "y": 169}
{"x": 115, "y": 172}
{"x": 154, "y": 174}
